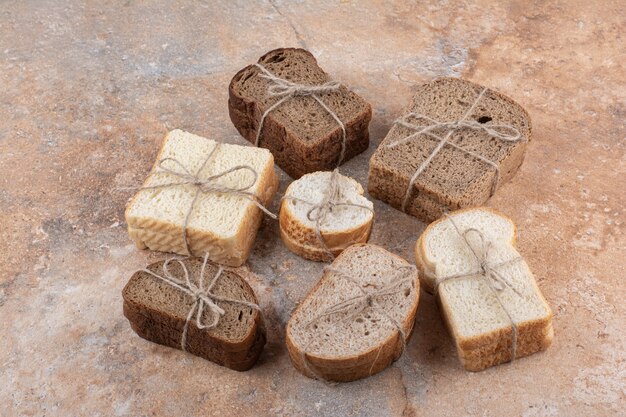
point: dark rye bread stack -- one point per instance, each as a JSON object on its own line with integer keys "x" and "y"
{"x": 453, "y": 179}
{"x": 158, "y": 311}
{"x": 300, "y": 133}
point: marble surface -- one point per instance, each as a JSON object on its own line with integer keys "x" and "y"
{"x": 89, "y": 88}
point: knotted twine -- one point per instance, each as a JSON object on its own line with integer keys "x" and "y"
{"x": 488, "y": 271}
{"x": 207, "y": 185}
{"x": 502, "y": 132}
{"x": 366, "y": 300}
{"x": 202, "y": 297}
{"x": 332, "y": 197}
{"x": 287, "y": 90}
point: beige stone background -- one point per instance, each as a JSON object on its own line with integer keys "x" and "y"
{"x": 89, "y": 88}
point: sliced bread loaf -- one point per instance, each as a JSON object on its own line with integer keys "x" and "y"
{"x": 357, "y": 319}
{"x": 219, "y": 222}
{"x": 489, "y": 298}
{"x": 486, "y": 134}
{"x": 322, "y": 213}
{"x": 160, "y": 311}
{"x": 301, "y": 134}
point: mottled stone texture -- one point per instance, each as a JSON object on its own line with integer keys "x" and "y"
{"x": 89, "y": 88}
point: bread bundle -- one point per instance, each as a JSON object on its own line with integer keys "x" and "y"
{"x": 357, "y": 319}
{"x": 199, "y": 307}
{"x": 322, "y": 213}
{"x": 455, "y": 145}
{"x": 488, "y": 295}
{"x": 201, "y": 197}
{"x": 289, "y": 105}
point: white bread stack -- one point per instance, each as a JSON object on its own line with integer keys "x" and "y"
{"x": 342, "y": 226}
{"x": 482, "y": 329}
{"x": 338, "y": 333}
{"x": 224, "y": 225}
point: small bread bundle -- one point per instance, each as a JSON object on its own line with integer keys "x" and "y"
{"x": 322, "y": 213}
{"x": 203, "y": 196}
{"x": 455, "y": 145}
{"x": 199, "y": 307}
{"x": 289, "y": 105}
{"x": 357, "y": 319}
{"x": 488, "y": 296}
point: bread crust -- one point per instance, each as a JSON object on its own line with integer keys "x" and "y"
{"x": 167, "y": 236}
{"x": 293, "y": 154}
{"x": 389, "y": 184}
{"x": 165, "y": 329}
{"x": 492, "y": 348}
{"x": 353, "y": 367}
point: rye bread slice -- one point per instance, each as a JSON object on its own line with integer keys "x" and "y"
{"x": 358, "y": 342}
{"x": 158, "y": 311}
{"x": 453, "y": 179}
{"x": 301, "y": 135}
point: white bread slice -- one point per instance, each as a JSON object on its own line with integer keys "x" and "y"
{"x": 222, "y": 224}
{"x": 362, "y": 341}
{"x": 342, "y": 227}
{"x": 479, "y": 325}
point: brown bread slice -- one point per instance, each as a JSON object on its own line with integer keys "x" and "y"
{"x": 354, "y": 344}
{"x": 452, "y": 179}
{"x": 157, "y": 312}
{"x": 301, "y": 135}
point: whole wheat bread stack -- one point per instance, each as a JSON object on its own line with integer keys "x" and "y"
{"x": 338, "y": 333}
{"x": 342, "y": 226}
{"x": 482, "y": 327}
{"x": 452, "y": 179}
{"x": 222, "y": 224}
{"x": 157, "y": 311}
{"x": 302, "y": 136}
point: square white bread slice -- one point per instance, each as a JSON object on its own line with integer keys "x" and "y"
{"x": 222, "y": 224}
{"x": 365, "y": 338}
{"x": 341, "y": 227}
{"x": 481, "y": 328}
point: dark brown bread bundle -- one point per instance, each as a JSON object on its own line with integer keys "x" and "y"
{"x": 301, "y": 134}
{"x": 486, "y": 133}
{"x": 159, "y": 311}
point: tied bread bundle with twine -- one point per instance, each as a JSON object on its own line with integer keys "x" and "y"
{"x": 206, "y": 185}
{"x": 319, "y": 212}
{"x": 287, "y": 90}
{"x": 202, "y": 297}
{"x": 356, "y": 305}
{"x": 503, "y": 132}
{"x": 487, "y": 271}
